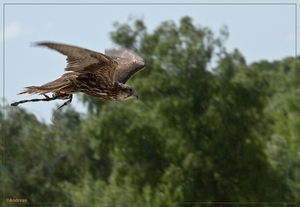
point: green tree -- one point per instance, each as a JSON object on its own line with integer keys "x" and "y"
{"x": 282, "y": 113}
{"x": 196, "y": 135}
{"x": 39, "y": 158}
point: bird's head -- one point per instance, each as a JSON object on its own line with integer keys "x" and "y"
{"x": 126, "y": 92}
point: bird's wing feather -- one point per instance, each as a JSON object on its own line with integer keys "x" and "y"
{"x": 128, "y": 61}
{"x": 83, "y": 60}
{"x": 79, "y": 59}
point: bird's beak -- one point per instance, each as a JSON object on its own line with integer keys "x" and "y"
{"x": 132, "y": 96}
{"x": 136, "y": 95}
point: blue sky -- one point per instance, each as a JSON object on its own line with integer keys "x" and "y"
{"x": 259, "y": 31}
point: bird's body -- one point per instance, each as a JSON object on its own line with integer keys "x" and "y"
{"x": 88, "y": 83}
{"x": 98, "y": 75}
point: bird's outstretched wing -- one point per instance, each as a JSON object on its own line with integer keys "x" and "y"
{"x": 128, "y": 61}
{"x": 83, "y": 60}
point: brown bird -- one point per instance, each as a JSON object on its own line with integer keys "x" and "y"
{"x": 98, "y": 75}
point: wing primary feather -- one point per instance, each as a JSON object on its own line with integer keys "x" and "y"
{"x": 128, "y": 61}
{"x": 79, "y": 59}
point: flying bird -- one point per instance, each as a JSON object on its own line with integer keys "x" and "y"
{"x": 102, "y": 76}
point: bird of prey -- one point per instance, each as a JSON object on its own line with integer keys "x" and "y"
{"x": 102, "y": 76}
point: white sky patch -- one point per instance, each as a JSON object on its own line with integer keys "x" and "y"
{"x": 292, "y": 37}
{"x": 12, "y": 30}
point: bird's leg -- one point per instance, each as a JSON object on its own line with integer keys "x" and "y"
{"x": 47, "y": 98}
{"x": 70, "y": 97}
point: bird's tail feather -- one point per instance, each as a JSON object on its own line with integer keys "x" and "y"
{"x": 38, "y": 90}
{"x": 51, "y": 87}
{"x": 32, "y": 90}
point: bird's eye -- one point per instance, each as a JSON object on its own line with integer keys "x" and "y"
{"x": 130, "y": 90}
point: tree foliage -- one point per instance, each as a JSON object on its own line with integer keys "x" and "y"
{"x": 208, "y": 128}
